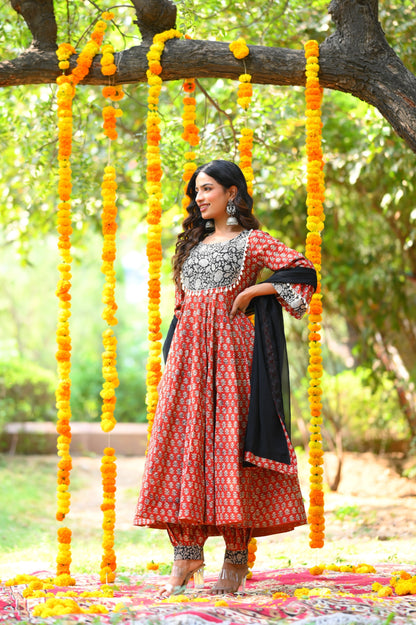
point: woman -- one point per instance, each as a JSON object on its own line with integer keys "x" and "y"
{"x": 209, "y": 469}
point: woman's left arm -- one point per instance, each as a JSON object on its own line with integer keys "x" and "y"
{"x": 275, "y": 255}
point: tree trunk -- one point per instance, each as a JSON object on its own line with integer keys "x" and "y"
{"x": 405, "y": 389}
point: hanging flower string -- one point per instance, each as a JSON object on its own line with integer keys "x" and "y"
{"x": 252, "y": 548}
{"x": 154, "y": 214}
{"x": 190, "y": 135}
{"x": 240, "y": 50}
{"x": 65, "y": 95}
{"x": 109, "y": 229}
{"x": 108, "y": 473}
{"x": 109, "y": 357}
{"x": 315, "y": 225}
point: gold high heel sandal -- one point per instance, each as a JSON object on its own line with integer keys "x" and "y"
{"x": 185, "y": 575}
{"x": 232, "y": 579}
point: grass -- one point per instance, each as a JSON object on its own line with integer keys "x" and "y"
{"x": 28, "y": 528}
{"x": 344, "y": 512}
{"x": 26, "y": 505}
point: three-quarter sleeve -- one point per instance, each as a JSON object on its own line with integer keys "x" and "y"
{"x": 275, "y": 255}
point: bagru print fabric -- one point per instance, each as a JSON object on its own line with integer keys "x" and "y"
{"x": 194, "y": 472}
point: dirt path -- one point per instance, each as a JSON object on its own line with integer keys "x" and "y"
{"x": 385, "y": 501}
{"x": 372, "y": 497}
{"x": 372, "y": 518}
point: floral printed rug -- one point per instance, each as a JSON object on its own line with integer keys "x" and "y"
{"x": 280, "y": 596}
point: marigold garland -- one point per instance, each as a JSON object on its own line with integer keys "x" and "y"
{"x": 315, "y": 225}
{"x": 58, "y": 602}
{"x": 402, "y": 583}
{"x": 190, "y": 135}
{"x": 109, "y": 229}
{"x": 240, "y": 50}
{"x": 63, "y": 559}
{"x": 252, "y": 548}
{"x": 65, "y": 95}
{"x": 109, "y": 356}
{"x": 109, "y": 473}
{"x": 154, "y": 214}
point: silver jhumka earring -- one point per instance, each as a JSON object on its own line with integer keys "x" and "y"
{"x": 232, "y": 212}
{"x": 209, "y": 225}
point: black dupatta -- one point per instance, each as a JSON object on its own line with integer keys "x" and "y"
{"x": 270, "y": 389}
{"x": 269, "y": 410}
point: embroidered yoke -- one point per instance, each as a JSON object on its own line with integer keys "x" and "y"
{"x": 194, "y": 469}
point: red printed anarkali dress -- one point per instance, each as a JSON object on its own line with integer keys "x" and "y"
{"x": 194, "y": 471}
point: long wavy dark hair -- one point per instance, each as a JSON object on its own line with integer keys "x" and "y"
{"x": 227, "y": 174}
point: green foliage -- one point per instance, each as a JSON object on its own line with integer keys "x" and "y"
{"x": 347, "y": 512}
{"x": 24, "y": 486}
{"x": 27, "y": 392}
{"x": 370, "y": 233}
{"x": 268, "y": 22}
{"x": 368, "y": 418}
{"x": 87, "y": 384}
{"x": 28, "y": 320}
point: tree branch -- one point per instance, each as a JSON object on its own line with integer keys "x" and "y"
{"x": 367, "y": 67}
{"x": 154, "y": 16}
{"x": 355, "y": 59}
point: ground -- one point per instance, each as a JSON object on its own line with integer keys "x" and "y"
{"x": 386, "y": 501}
{"x": 371, "y": 517}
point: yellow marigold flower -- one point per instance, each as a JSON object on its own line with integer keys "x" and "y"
{"x": 280, "y": 595}
{"x": 64, "y": 580}
{"x": 364, "y": 568}
{"x": 316, "y": 570}
{"x": 403, "y": 587}
{"x": 385, "y": 591}
{"x": 332, "y": 567}
{"x": 107, "y": 425}
{"x": 239, "y": 48}
{"x": 177, "y": 599}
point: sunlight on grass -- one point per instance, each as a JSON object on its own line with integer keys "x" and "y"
{"x": 343, "y": 512}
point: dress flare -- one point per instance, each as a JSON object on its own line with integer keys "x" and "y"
{"x": 194, "y": 471}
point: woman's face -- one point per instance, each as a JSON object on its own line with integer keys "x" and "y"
{"x": 211, "y": 197}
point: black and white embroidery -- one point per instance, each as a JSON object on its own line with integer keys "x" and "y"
{"x": 188, "y": 552}
{"x": 214, "y": 265}
{"x": 293, "y": 299}
{"x": 236, "y": 557}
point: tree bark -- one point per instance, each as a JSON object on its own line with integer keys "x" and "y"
{"x": 154, "y": 17}
{"x": 371, "y": 69}
{"x": 355, "y": 59}
{"x": 40, "y": 18}
{"x": 405, "y": 389}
